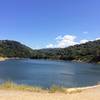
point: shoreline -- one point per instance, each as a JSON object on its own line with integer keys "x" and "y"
{"x": 90, "y": 93}
{"x": 3, "y": 58}
{"x": 84, "y": 88}
{"x": 9, "y": 85}
{"x": 7, "y": 58}
{"x": 78, "y": 61}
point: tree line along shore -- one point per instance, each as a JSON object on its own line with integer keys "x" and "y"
{"x": 87, "y": 52}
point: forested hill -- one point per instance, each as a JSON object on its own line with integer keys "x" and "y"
{"x": 10, "y": 48}
{"x": 87, "y": 52}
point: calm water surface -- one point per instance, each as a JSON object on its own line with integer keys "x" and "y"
{"x": 46, "y": 73}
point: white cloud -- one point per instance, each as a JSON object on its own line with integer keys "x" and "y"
{"x": 66, "y": 40}
{"x": 50, "y": 46}
{"x": 97, "y": 38}
{"x": 84, "y": 41}
{"x": 63, "y": 41}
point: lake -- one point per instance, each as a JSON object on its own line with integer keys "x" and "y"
{"x": 45, "y": 73}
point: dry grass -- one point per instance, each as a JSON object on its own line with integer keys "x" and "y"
{"x": 56, "y": 88}
{"x": 12, "y": 86}
{"x": 8, "y": 85}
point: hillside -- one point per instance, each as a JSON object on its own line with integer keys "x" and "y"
{"x": 87, "y": 52}
{"x": 10, "y": 48}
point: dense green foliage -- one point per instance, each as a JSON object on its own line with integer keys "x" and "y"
{"x": 87, "y": 52}
{"x": 14, "y": 49}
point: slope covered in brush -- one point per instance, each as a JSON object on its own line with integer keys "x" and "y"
{"x": 87, "y": 52}
{"x": 10, "y": 48}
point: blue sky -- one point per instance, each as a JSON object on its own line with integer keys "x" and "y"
{"x": 49, "y": 23}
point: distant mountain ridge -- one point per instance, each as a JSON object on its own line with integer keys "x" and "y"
{"x": 87, "y": 52}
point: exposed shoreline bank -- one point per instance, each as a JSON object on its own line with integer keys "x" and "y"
{"x": 3, "y": 58}
{"x": 89, "y": 93}
{"x": 8, "y": 58}
{"x": 80, "y": 61}
{"x": 53, "y": 89}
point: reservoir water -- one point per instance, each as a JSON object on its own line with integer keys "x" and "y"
{"x": 45, "y": 73}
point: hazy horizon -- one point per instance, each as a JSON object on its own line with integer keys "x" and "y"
{"x": 49, "y": 23}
